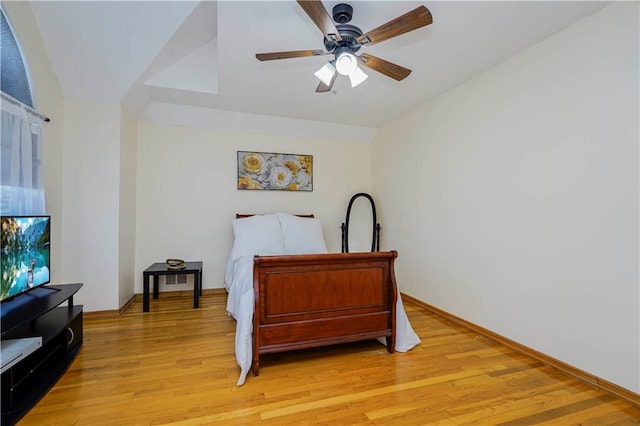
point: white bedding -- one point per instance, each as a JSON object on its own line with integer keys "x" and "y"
{"x": 240, "y": 303}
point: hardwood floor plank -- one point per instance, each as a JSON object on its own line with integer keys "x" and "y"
{"x": 571, "y": 413}
{"x": 386, "y": 391}
{"x": 175, "y": 365}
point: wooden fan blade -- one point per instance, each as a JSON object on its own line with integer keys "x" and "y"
{"x": 319, "y": 15}
{"x": 286, "y": 55}
{"x": 322, "y": 88}
{"x": 385, "y": 67}
{"x": 419, "y": 17}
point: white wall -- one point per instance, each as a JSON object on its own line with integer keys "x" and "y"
{"x": 91, "y": 193}
{"x": 187, "y": 194}
{"x": 513, "y": 199}
{"x": 127, "y": 205}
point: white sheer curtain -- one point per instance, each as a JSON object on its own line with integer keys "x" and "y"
{"x": 21, "y": 161}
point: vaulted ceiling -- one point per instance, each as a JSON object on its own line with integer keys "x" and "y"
{"x": 149, "y": 55}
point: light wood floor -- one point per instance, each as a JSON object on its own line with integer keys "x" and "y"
{"x": 176, "y": 365}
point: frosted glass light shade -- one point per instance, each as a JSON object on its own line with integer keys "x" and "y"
{"x": 357, "y": 77}
{"x": 346, "y": 62}
{"x": 325, "y": 74}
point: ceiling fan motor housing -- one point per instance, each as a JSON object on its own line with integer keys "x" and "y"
{"x": 342, "y": 13}
{"x": 349, "y": 33}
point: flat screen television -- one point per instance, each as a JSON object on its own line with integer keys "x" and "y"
{"x": 25, "y": 254}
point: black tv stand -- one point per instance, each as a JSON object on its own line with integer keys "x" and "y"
{"x": 38, "y": 314}
{"x": 50, "y": 287}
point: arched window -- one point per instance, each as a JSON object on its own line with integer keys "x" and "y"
{"x": 15, "y": 79}
{"x": 22, "y": 156}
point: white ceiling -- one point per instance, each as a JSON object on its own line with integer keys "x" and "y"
{"x": 201, "y": 54}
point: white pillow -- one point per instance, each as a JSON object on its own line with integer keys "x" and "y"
{"x": 302, "y": 235}
{"x": 259, "y": 234}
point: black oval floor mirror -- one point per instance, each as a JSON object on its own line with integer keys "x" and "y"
{"x": 360, "y": 225}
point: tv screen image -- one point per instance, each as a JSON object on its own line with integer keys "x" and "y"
{"x": 25, "y": 254}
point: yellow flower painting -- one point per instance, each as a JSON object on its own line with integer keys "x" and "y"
{"x": 275, "y": 171}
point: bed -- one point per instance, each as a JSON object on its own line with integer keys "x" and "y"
{"x": 287, "y": 292}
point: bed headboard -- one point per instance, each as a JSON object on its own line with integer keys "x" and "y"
{"x": 240, "y": 216}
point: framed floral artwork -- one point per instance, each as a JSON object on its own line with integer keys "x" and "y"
{"x": 275, "y": 171}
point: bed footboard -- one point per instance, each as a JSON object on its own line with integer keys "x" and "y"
{"x": 304, "y": 301}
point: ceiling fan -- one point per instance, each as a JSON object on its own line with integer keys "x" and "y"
{"x": 343, "y": 40}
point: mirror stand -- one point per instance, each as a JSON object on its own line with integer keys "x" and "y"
{"x": 375, "y": 237}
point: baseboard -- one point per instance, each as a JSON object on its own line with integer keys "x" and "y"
{"x": 161, "y": 295}
{"x": 128, "y": 303}
{"x": 180, "y": 293}
{"x": 95, "y": 315}
{"x": 576, "y": 373}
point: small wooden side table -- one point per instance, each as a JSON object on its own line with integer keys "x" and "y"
{"x": 158, "y": 269}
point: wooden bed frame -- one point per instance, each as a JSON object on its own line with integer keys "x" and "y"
{"x": 304, "y": 301}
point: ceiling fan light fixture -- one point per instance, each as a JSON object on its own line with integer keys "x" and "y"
{"x": 343, "y": 41}
{"x": 357, "y": 77}
{"x": 346, "y": 61}
{"x": 325, "y": 74}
